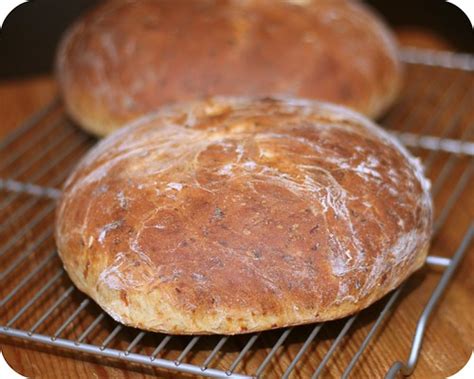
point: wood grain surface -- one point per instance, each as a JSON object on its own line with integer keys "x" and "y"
{"x": 431, "y": 102}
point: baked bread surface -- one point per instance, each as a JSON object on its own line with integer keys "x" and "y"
{"x": 125, "y": 58}
{"x": 234, "y": 215}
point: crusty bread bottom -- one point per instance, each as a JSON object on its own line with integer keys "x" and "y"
{"x": 172, "y": 321}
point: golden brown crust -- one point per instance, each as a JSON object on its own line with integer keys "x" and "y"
{"x": 127, "y": 57}
{"x": 235, "y": 215}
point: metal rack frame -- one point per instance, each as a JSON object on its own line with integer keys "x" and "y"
{"x": 38, "y": 190}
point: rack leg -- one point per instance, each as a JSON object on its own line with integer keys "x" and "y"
{"x": 407, "y": 368}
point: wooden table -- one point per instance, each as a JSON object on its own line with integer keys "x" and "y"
{"x": 449, "y": 336}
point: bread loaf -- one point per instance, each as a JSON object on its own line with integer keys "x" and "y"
{"x": 234, "y": 215}
{"x": 125, "y": 58}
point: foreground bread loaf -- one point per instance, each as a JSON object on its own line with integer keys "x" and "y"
{"x": 232, "y": 215}
{"x": 128, "y": 57}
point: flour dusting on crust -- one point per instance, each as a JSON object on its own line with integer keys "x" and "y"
{"x": 309, "y": 204}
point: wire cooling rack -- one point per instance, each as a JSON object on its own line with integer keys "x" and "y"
{"x": 434, "y": 118}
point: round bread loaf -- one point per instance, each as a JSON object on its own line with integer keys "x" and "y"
{"x": 125, "y": 58}
{"x": 235, "y": 215}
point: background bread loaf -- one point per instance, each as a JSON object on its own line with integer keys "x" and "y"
{"x": 125, "y": 58}
{"x": 236, "y": 215}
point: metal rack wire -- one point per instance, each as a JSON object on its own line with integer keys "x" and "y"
{"x": 39, "y": 303}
